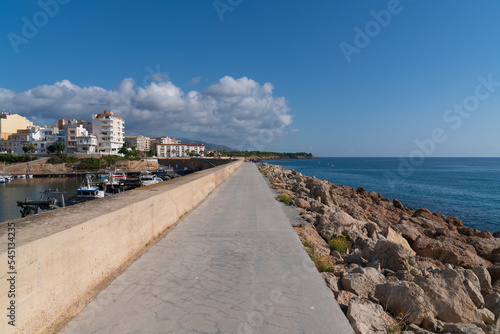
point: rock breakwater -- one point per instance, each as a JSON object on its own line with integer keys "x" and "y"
{"x": 392, "y": 268}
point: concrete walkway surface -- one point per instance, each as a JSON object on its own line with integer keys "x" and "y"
{"x": 234, "y": 265}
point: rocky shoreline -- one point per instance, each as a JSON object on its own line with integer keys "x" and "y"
{"x": 394, "y": 269}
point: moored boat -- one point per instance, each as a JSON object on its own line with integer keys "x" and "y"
{"x": 89, "y": 190}
{"x": 149, "y": 179}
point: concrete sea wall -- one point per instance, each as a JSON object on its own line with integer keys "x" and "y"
{"x": 63, "y": 257}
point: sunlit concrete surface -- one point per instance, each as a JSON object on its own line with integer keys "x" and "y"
{"x": 234, "y": 265}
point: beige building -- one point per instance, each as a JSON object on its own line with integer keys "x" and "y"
{"x": 9, "y": 124}
{"x": 141, "y": 143}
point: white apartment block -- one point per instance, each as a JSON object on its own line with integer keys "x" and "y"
{"x": 86, "y": 143}
{"x": 178, "y": 150}
{"x": 109, "y": 130}
{"x": 40, "y": 137}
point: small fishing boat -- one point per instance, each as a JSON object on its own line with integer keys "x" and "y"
{"x": 21, "y": 176}
{"x": 149, "y": 179}
{"x": 48, "y": 201}
{"x": 117, "y": 176}
{"x": 3, "y": 179}
{"x": 89, "y": 190}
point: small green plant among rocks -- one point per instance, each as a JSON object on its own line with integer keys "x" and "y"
{"x": 341, "y": 244}
{"x": 400, "y": 327}
{"x": 285, "y": 199}
{"x": 322, "y": 264}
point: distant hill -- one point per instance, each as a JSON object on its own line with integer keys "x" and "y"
{"x": 208, "y": 146}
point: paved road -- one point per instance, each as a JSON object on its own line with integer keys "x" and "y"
{"x": 234, "y": 265}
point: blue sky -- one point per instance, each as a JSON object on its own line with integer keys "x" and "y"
{"x": 271, "y": 75}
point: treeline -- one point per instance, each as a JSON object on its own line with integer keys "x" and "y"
{"x": 11, "y": 158}
{"x": 99, "y": 163}
{"x": 260, "y": 154}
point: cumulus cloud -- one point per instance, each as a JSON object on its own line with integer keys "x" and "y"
{"x": 239, "y": 112}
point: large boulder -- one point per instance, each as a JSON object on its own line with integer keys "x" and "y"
{"x": 495, "y": 273}
{"x": 343, "y": 219}
{"x": 447, "y": 253}
{"x": 408, "y": 230}
{"x": 462, "y": 329}
{"x": 448, "y": 297}
{"x": 391, "y": 235}
{"x": 405, "y": 298}
{"x": 397, "y": 204}
{"x": 487, "y": 315}
{"x": 302, "y": 203}
{"x": 492, "y": 303}
{"x": 332, "y": 281}
{"x": 312, "y": 182}
{"x": 391, "y": 255}
{"x": 368, "y": 318}
{"x": 473, "y": 287}
{"x": 322, "y": 193}
{"x": 496, "y": 287}
{"x": 485, "y": 246}
{"x": 484, "y": 280}
{"x": 362, "y": 281}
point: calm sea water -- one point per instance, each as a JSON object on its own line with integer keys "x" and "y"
{"x": 20, "y": 189}
{"x": 468, "y": 188}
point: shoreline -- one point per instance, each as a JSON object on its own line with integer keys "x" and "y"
{"x": 392, "y": 261}
{"x": 469, "y": 193}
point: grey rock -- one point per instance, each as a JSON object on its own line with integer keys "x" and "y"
{"x": 461, "y": 328}
{"x": 492, "y": 303}
{"x": 484, "y": 280}
{"x": 448, "y": 297}
{"x": 332, "y": 281}
{"x": 495, "y": 273}
{"x": 368, "y": 318}
{"x": 391, "y": 255}
{"x": 362, "y": 281}
{"x": 405, "y": 298}
{"x": 473, "y": 287}
{"x": 487, "y": 316}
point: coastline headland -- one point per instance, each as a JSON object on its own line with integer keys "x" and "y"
{"x": 392, "y": 268}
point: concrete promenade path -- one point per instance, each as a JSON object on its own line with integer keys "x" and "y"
{"x": 234, "y": 265}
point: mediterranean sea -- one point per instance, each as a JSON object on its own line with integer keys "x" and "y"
{"x": 467, "y": 188}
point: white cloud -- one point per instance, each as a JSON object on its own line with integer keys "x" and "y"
{"x": 231, "y": 111}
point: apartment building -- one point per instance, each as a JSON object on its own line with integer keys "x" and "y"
{"x": 86, "y": 143}
{"x": 109, "y": 130}
{"x": 179, "y": 150}
{"x": 9, "y": 124}
{"x": 19, "y": 140}
{"x": 141, "y": 143}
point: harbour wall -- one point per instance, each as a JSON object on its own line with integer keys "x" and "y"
{"x": 63, "y": 258}
{"x": 195, "y": 164}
